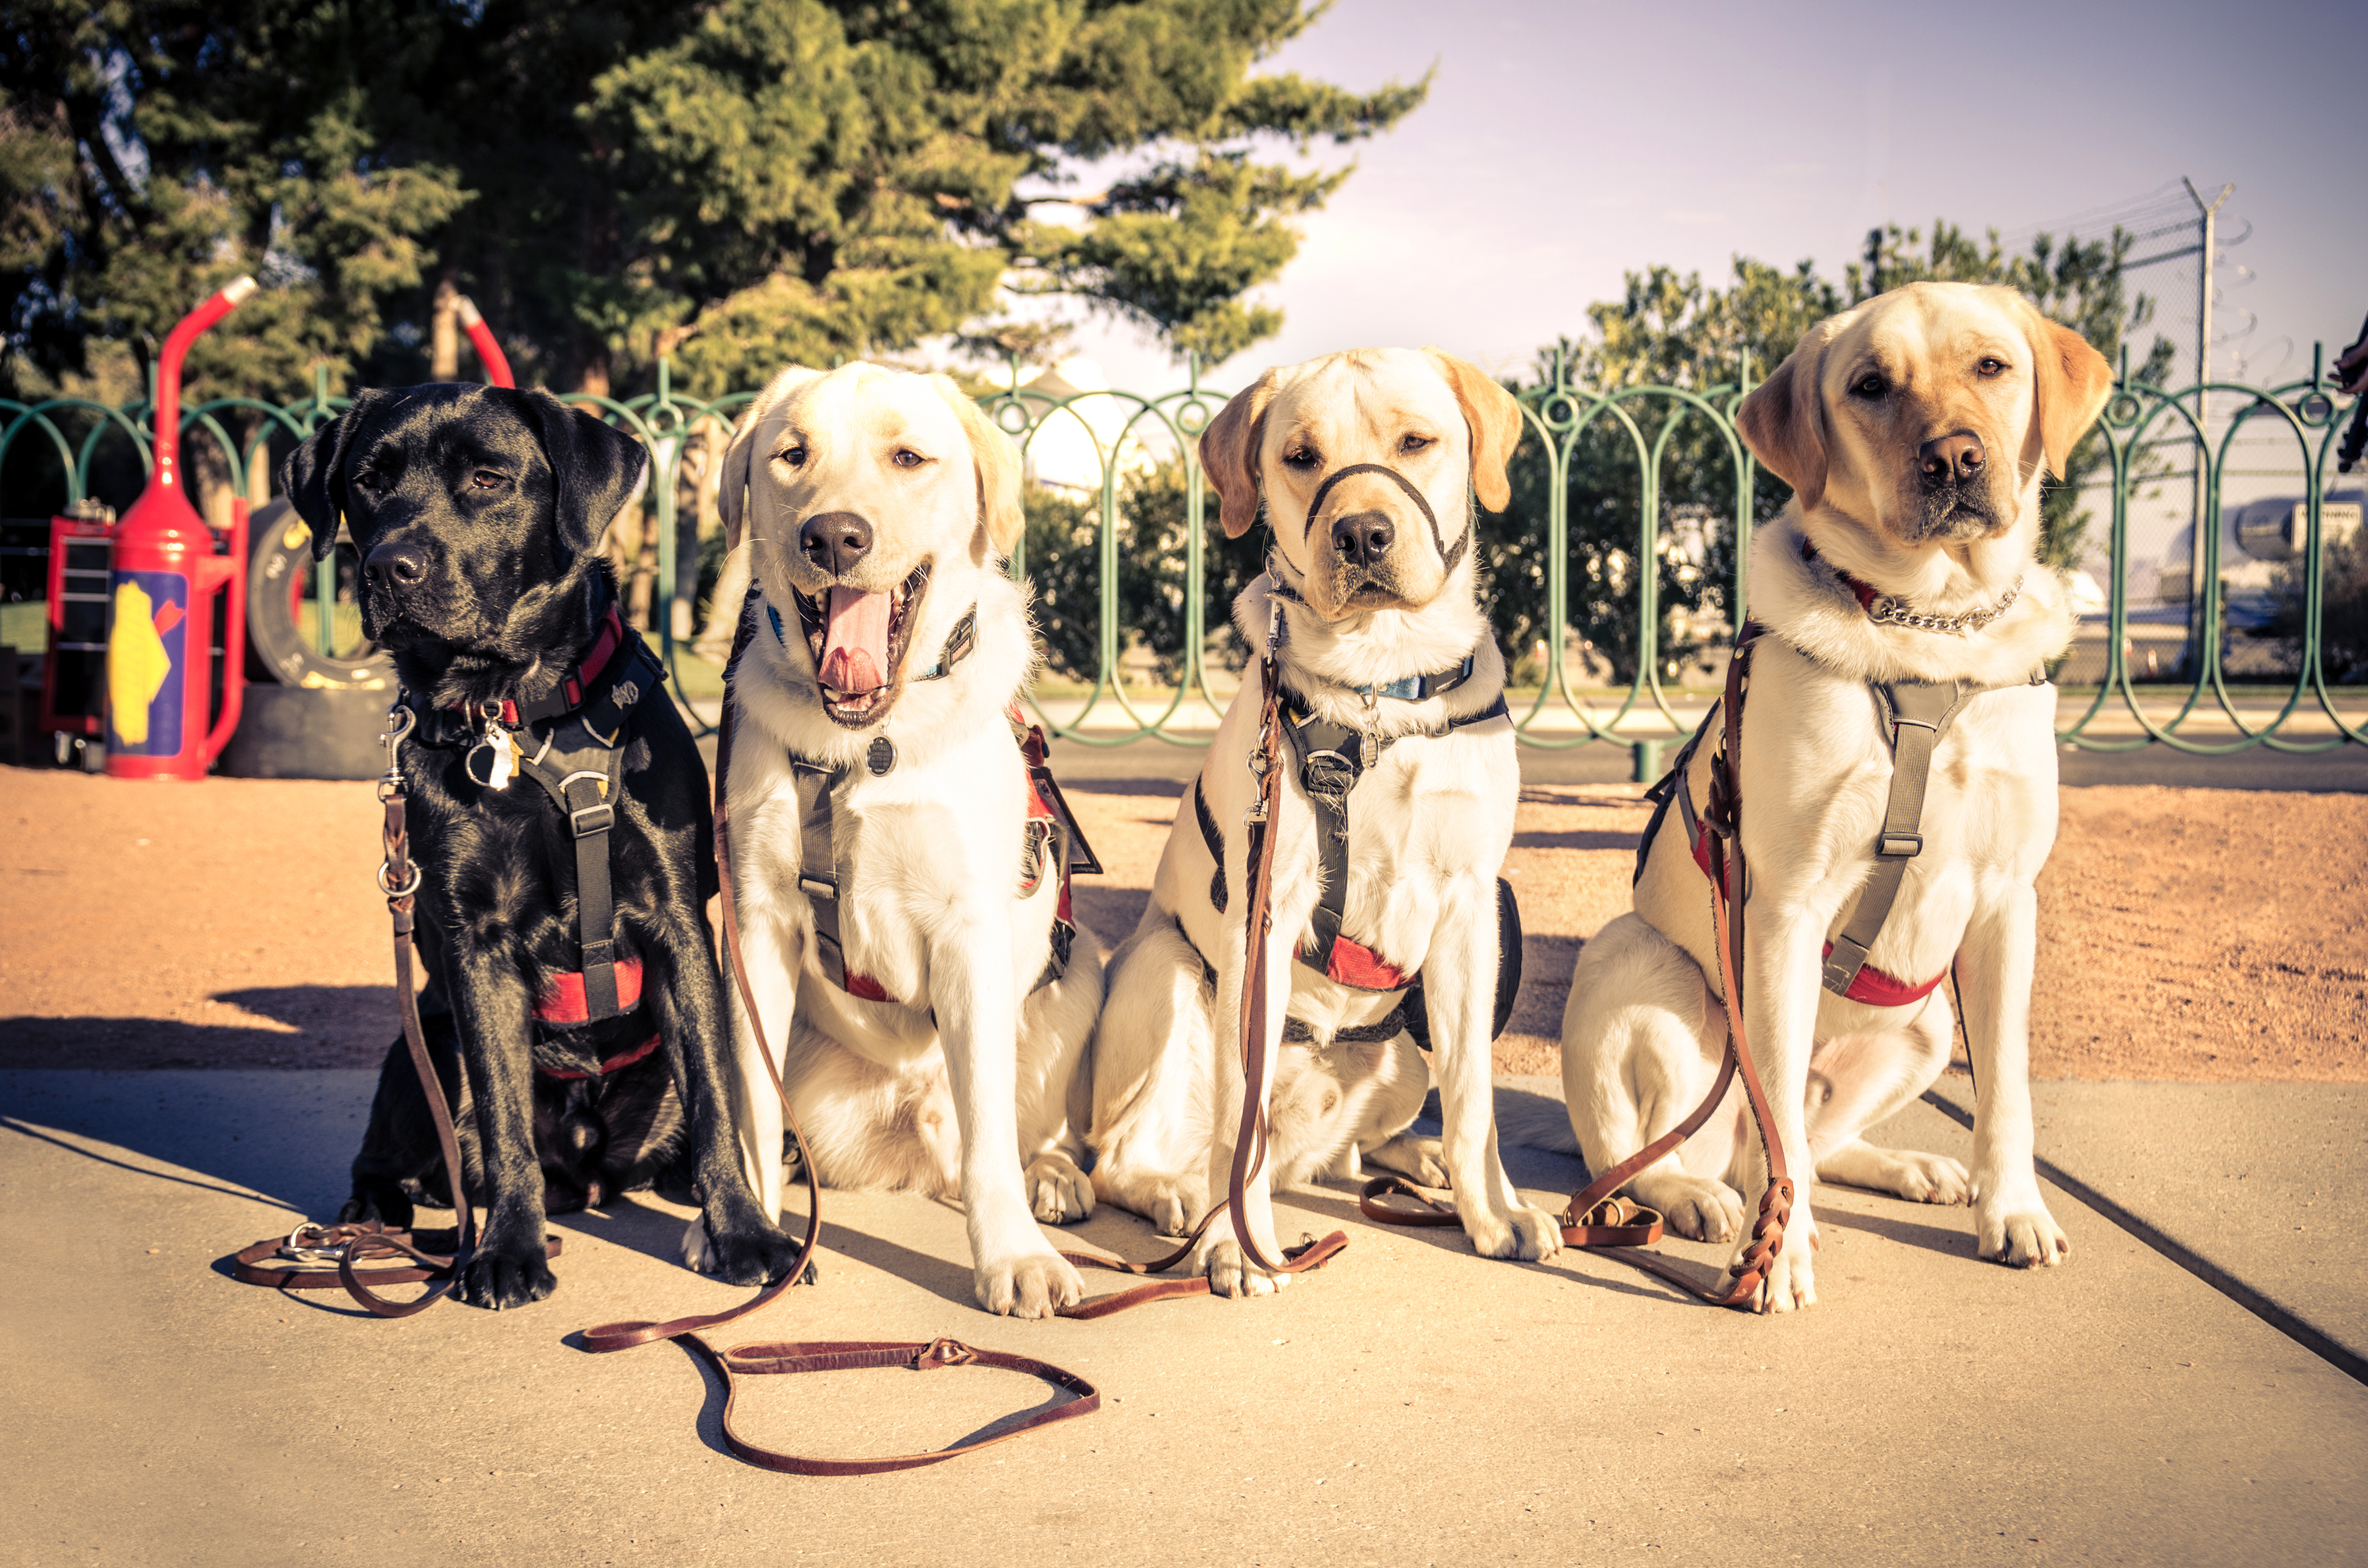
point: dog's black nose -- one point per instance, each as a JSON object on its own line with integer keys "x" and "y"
{"x": 1363, "y": 537}
{"x": 1951, "y": 457}
{"x": 835, "y": 542}
{"x": 399, "y": 563}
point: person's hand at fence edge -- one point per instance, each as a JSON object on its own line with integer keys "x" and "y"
{"x": 2351, "y": 364}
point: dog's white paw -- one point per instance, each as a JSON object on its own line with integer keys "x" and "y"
{"x": 1419, "y": 1160}
{"x": 1058, "y": 1192}
{"x": 1230, "y": 1271}
{"x": 1032, "y": 1285}
{"x": 2023, "y": 1234}
{"x": 1522, "y": 1233}
{"x": 1928, "y": 1178}
{"x": 1791, "y": 1282}
{"x": 1701, "y": 1208}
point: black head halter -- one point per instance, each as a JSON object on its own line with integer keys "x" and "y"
{"x": 1447, "y": 559}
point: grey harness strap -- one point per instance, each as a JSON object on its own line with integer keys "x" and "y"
{"x": 818, "y": 859}
{"x": 1915, "y": 715}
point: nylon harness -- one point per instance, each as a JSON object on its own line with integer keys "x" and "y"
{"x": 1054, "y": 846}
{"x": 1913, "y": 717}
{"x": 1053, "y": 838}
{"x": 571, "y": 740}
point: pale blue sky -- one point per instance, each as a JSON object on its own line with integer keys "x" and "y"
{"x": 1563, "y": 144}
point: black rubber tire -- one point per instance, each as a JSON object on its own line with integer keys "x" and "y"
{"x": 287, "y": 731}
{"x": 278, "y": 551}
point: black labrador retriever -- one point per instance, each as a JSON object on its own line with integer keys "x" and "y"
{"x": 477, "y": 512}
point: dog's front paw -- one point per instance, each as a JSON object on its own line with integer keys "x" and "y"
{"x": 1790, "y": 1282}
{"x": 752, "y": 1252}
{"x": 383, "y": 1203}
{"x": 1522, "y": 1233}
{"x": 1417, "y": 1159}
{"x": 509, "y": 1278}
{"x": 1932, "y": 1178}
{"x": 1701, "y": 1208}
{"x": 1058, "y": 1192}
{"x": 1230, "y": 1271}
{"x": 2023, "y": 1234}
{"x": 1032, "y": 1285}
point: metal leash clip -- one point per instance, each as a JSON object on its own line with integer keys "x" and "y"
{"x": 309, "y": 1242}
{"x": 400, "y": 721}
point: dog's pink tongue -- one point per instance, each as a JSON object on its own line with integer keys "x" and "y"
{"x": 855, "y": 645}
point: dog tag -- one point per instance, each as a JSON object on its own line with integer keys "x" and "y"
{"x": 880, "y": 756}
{"x": 493, "y": 760}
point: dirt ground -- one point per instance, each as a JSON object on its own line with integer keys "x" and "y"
{"x": 2196, "y": 935}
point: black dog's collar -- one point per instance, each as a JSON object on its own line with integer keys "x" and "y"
{"x": 617, "y": 671}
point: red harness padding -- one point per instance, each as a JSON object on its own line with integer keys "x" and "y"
{"x": 1871, "y": 987}
{"x": 1354, "y": 964}
{"x": 563, "y": 1003}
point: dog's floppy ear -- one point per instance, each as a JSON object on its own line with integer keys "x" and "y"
{"x": 1783, "y": 419}
{"x": 740, "y": 455}
{"x": 997, "y": 461}
{"x": 314, "y": 475}
{"x": 595, "y": 466}
{"x": 1229, "y": 454}
{"x": 2070, "y": 382}
{"x": 1494, "y": 420}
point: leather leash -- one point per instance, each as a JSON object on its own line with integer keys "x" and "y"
{"x": 770, "y": 1358}
{"x": 1250, "y": 1139}
{"x": 346, "y": 1245}
{"x": 1596, "y": 1218}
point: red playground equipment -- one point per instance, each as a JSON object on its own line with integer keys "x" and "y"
{"x": 481, "y": 338}
{"x": 169, "y": 573}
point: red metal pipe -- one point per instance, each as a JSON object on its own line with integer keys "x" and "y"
{"x": 480, "y": 336}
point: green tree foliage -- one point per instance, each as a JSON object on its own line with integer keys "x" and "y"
{"x": 741, "y": 183}
{"x": 1063, "y": 560}
{"x": 1666, "y": 330}
{"x": 152, "y": 152}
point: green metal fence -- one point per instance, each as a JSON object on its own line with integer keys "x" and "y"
{"x": 2197, "y": 705}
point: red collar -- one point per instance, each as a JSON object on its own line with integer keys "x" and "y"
{"x": 569, "y": 694}
{"x": 1867, "y": 592}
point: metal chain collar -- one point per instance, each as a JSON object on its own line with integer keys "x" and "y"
{"x": 1888, "y": 610}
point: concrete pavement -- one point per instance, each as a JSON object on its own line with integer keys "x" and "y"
{"x": 1409, "y": 1403}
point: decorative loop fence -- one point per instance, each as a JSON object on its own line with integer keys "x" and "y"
{"x": 2254, "y": 638}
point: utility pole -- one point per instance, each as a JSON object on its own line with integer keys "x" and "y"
{"x": 2206, "y": 215}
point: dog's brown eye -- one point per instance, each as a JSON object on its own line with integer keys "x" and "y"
{"x": 795, "y": 457}
{"x": 1413, "y": 443}
{"x": 1868, "y": 385}
{"x": 485, "y": 479}
{"x": 1992, "y": 366}
{"x": 1299, "y": 457}
{"x": 907, "y": 457}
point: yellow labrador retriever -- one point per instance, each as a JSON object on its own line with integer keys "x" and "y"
{"x": 900, "y": 878}
{"x": 1909, "y": 625}
{"x": 1395, "y": 812}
